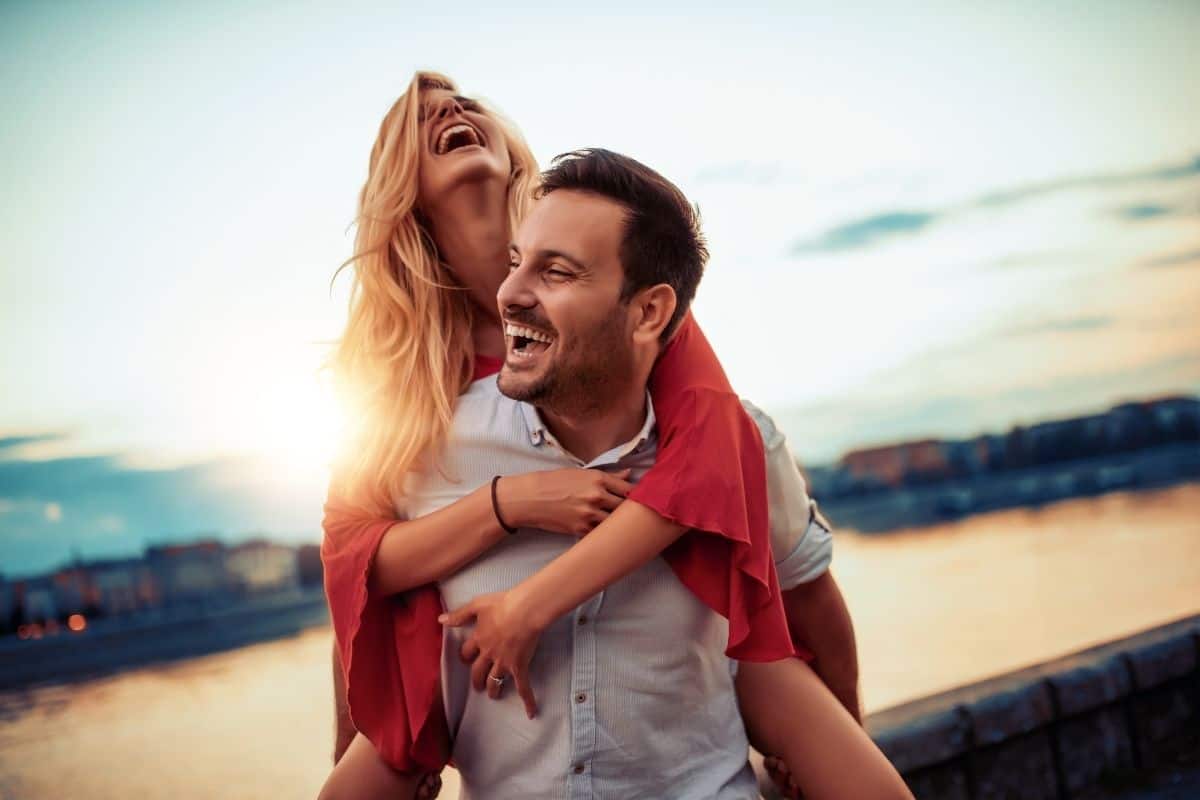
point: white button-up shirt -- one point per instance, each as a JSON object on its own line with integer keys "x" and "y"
{"x": 635, "y": 693}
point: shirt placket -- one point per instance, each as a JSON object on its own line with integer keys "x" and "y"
{"x": 583, "y": 700}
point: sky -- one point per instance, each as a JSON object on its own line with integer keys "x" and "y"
{"x": 925, "y": 219}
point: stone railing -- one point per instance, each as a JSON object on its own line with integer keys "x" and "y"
{"x": 1056, "y": 731}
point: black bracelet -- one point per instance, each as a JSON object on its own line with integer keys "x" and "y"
{"x": 496, "y": 508}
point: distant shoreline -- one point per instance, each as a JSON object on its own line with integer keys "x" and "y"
{"x": 918, "y": 506}
{"x": 119, "y": 644}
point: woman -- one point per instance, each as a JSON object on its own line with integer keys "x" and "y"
{"x": 431, "y": 253}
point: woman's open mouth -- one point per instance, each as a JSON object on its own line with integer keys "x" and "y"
{"x": 456, "y": 137}
{"x": 526, "y": 342}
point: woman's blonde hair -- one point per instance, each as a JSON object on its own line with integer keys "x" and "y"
{"x": 407, "y": 353}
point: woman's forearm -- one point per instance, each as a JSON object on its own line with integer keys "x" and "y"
{"x": 433, "y": 547}
{"x": 630, "y": 536}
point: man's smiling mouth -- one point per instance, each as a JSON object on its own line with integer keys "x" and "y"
{"x": 527, "y": 342}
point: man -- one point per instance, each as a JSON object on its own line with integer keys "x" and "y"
{"x": 635, "y": 696}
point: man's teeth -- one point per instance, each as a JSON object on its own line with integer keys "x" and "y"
{"x": 527, "y": 333}
{"x": 444, "y": 139}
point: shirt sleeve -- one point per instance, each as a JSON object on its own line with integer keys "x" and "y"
{"x": 390, "y": 647}
{"x": 801, "y": 545}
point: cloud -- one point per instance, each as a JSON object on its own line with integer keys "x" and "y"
{"x": 1187, "y": 258}
{"x": 871, "y": 230}
{"x": 1069, "y": 325}
{"x": 867, "y": 231}
{"x": 1141, "y": 212}
{"x": 13, "y": 442}
{"x": 1103, "y": 180}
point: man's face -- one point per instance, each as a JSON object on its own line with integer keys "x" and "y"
{"x": 567, "y": 331}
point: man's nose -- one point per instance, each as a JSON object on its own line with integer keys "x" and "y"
{"x": 515, "y": 293}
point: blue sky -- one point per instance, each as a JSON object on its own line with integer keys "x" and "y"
{"x": 925, "y": 219}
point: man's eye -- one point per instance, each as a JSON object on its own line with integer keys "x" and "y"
{"x": 558, "y": 273}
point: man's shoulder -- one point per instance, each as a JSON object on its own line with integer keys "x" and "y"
{"x": 771, "y": 435}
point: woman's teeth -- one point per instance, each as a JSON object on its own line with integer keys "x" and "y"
{"x": 466, "y": 133}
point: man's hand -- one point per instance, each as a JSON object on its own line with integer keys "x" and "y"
{"x": 502, "y": 644}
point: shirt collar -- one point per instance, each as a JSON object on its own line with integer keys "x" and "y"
{"x": 539, "y": 434}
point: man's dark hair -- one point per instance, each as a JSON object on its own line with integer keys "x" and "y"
{"x": 662, "y": 242}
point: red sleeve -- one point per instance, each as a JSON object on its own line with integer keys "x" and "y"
{"x": 390, "y": 646}
{"x": 710, "y": 475}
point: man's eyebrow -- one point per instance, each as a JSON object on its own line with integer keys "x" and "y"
{"x": 547, "y": 254}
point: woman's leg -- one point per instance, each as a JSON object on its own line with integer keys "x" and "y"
{"x": 791, "y": 714}
{"x": 362, "y": 775}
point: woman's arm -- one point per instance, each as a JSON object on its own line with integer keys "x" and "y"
{"x": 430, "y": 548}
{"x": 509, "y": 624}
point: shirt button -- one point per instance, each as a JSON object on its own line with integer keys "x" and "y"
{"x": 583, "y": 620}
{"x": 578, "y": 769}
{"x": 580, "y": 698}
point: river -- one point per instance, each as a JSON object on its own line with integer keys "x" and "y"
{"x": 934, "y": 607}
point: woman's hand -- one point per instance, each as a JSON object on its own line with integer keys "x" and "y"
{"x": 430, "y": 786}
{"x": 782, "y": 777}
{"x": 501, "y": 646}
{"x": 571, "y": 501}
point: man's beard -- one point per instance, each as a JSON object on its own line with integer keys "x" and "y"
{"x": 580, "y": 380}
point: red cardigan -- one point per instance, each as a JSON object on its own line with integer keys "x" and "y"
{"x": 710, "y": 476}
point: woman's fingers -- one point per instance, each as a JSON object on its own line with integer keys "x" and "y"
{"x": 431, "y": 786}
{"x": 479, "y": 673}
{"x": 617, "y": 482}
{"x": 495, "y": 681}
{"x": 459, "y": 616}
{"x": 469, "y": 650}
{"x": 521, "y": 679}
{"x": 609, "y": 501}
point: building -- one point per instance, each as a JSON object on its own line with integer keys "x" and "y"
{"x": 38, "y": 600}
{"x": 190, "y": 573}
{"x": 123, "y": 586}
{"x": 895, "y": 465}
{"x": 73, "y": 593}
{"x": 262, "y": 566}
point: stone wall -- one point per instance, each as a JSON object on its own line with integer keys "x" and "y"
{"x": 1056, "y": 731}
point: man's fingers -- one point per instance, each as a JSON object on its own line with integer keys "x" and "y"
{"x": 526, "y": 692}
{"x": 479, "y": 673}
{"x": 469, "y": 650}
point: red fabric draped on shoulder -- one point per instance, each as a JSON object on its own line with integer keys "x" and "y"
{"x": 711, "y": 476}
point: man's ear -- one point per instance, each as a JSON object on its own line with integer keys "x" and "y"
{"x": 653, "y": 309}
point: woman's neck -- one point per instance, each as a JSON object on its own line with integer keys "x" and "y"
{"x": 472, "y": 235}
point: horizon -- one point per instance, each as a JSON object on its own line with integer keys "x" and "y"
{"x": 929, "y": 224}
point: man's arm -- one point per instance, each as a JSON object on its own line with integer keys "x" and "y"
{"x": 343, "y": 731}
{"x": 819, "y": 620}
{"x": 802, "y": 544}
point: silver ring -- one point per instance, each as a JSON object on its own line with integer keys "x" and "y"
{"x": 498, "y": 681}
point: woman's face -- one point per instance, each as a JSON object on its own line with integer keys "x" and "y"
{"x": 460, "y": 144}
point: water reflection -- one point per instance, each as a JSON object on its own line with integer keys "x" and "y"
{"x": 933, "y": 607}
